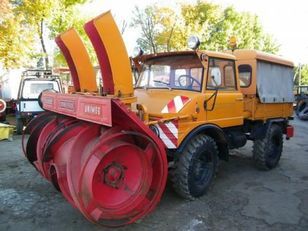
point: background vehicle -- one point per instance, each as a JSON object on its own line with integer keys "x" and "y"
{"x": 2, "y": 111}
{"x": 109, "y": 154}
{"x": 32, "y": 83}
{"x": 301, "y": 99}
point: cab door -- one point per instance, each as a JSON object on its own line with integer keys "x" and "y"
{"x": 223, "y": 99}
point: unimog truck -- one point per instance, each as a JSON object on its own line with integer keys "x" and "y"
{"x": 109, "y": 153}
{"x": 212, "y": 102}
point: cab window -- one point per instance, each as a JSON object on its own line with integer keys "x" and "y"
{"x": 245, "y": 75}
{"x": 221, "y": 74}
{"x": 182, "y": 72}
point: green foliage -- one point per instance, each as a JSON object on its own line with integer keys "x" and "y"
{"x": 303, "y": 73}
{"x": 163, "y": 29}
{"x": 15, "y": 40}
{"x": 158, "y": 27}
{"x": 26, "y": 24}
{"x": 65, "y": 19}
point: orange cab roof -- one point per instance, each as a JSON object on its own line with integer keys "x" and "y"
{"x": 254, "y": 54}
{"x": 209, "y": 53}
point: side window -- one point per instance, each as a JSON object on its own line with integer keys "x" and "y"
{"x": 221, "y": 74}
{"x": 245, "y": 75}
{"x": 229, "y": 77}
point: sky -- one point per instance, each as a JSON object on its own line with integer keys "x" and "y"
{"x": 286, "y": 21}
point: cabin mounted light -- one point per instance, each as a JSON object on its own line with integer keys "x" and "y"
{"x": 193, "y": 42}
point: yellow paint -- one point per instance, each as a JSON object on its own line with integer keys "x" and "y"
{"x": 6, "y": 131}
{"x": 255, "y": 110}
{"x": 231, "y": 107}
{"x": 117, "y": 54}
{"x": 81, "y": 59}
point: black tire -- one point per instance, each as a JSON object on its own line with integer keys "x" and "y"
{"x": 267, "y": 151}
{"x": 19, "y": 126}
{"x": 302, "y": 109}
{"x": 195, "y": 168}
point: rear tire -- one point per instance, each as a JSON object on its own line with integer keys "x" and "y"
{"x": 302, "y": 109}
{"x": 194, "y": 168}
{"x": 267, "y": 151}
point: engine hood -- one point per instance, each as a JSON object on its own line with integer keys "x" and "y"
{"x": 164, "y": 100}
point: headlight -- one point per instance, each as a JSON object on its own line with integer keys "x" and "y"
{"x": 193, "y": 42}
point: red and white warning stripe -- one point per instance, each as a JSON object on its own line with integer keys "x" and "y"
{"x": 176, "y": 104}
{"x": 168, "y": 133}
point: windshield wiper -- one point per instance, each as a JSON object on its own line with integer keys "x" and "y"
{"x": 159, "y": 81}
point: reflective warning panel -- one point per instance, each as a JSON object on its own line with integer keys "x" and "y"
{"x": 89, "y": 108}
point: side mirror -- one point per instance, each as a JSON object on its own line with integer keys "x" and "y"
{"x": 215, "y": 76}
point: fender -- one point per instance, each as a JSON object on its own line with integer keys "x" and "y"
{"x": 259, "y": 131}
{"x": 214, "y": 132}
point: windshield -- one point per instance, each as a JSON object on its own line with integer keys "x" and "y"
{"x": 173, "y": 72}
{"x": 33, "y": 88}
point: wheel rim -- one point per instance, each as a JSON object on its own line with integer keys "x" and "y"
{"x": 203, "y": 169}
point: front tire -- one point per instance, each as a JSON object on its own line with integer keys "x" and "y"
{"x": 267, "y": 151}
{"x": 194, "y": 168}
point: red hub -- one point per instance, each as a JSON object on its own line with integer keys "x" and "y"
{"x": 113, "y": 175}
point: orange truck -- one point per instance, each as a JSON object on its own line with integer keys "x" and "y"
{"x": 110, "y": 154}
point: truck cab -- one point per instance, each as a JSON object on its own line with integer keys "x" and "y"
{"x": 200, "y": 86}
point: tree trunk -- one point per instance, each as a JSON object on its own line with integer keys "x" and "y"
{"x": 169, "y": 38}
{"x": 41, "y": 36}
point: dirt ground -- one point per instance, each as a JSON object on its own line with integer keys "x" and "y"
{"x": 242, "y": 197}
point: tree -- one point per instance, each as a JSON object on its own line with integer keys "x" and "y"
{"x": 36, "y": 13}
{"x": 16, "y": 41}
{"x": 64, "y": 19}
{"x": 158, "y": 26}
{"x": 42, "y": 13}
{"x": 146, "y": 21}
{"x": 26, "y": 24}
{"x": 303, "y": 73}
{"x": 164, "y": 29}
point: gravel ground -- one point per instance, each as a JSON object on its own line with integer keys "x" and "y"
{"x": 242, "y": 197}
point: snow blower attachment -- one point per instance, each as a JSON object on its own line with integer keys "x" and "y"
{"x": 106, "y": 162}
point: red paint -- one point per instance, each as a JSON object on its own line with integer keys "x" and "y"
{"x": 171, "y": 107}
{"x": 112, "y": 175}
{"x": 169, "y": 134}
{"x": 102, "y": 56}
{"x": 290, "y": 131}
{"x": 94, "y": 109}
